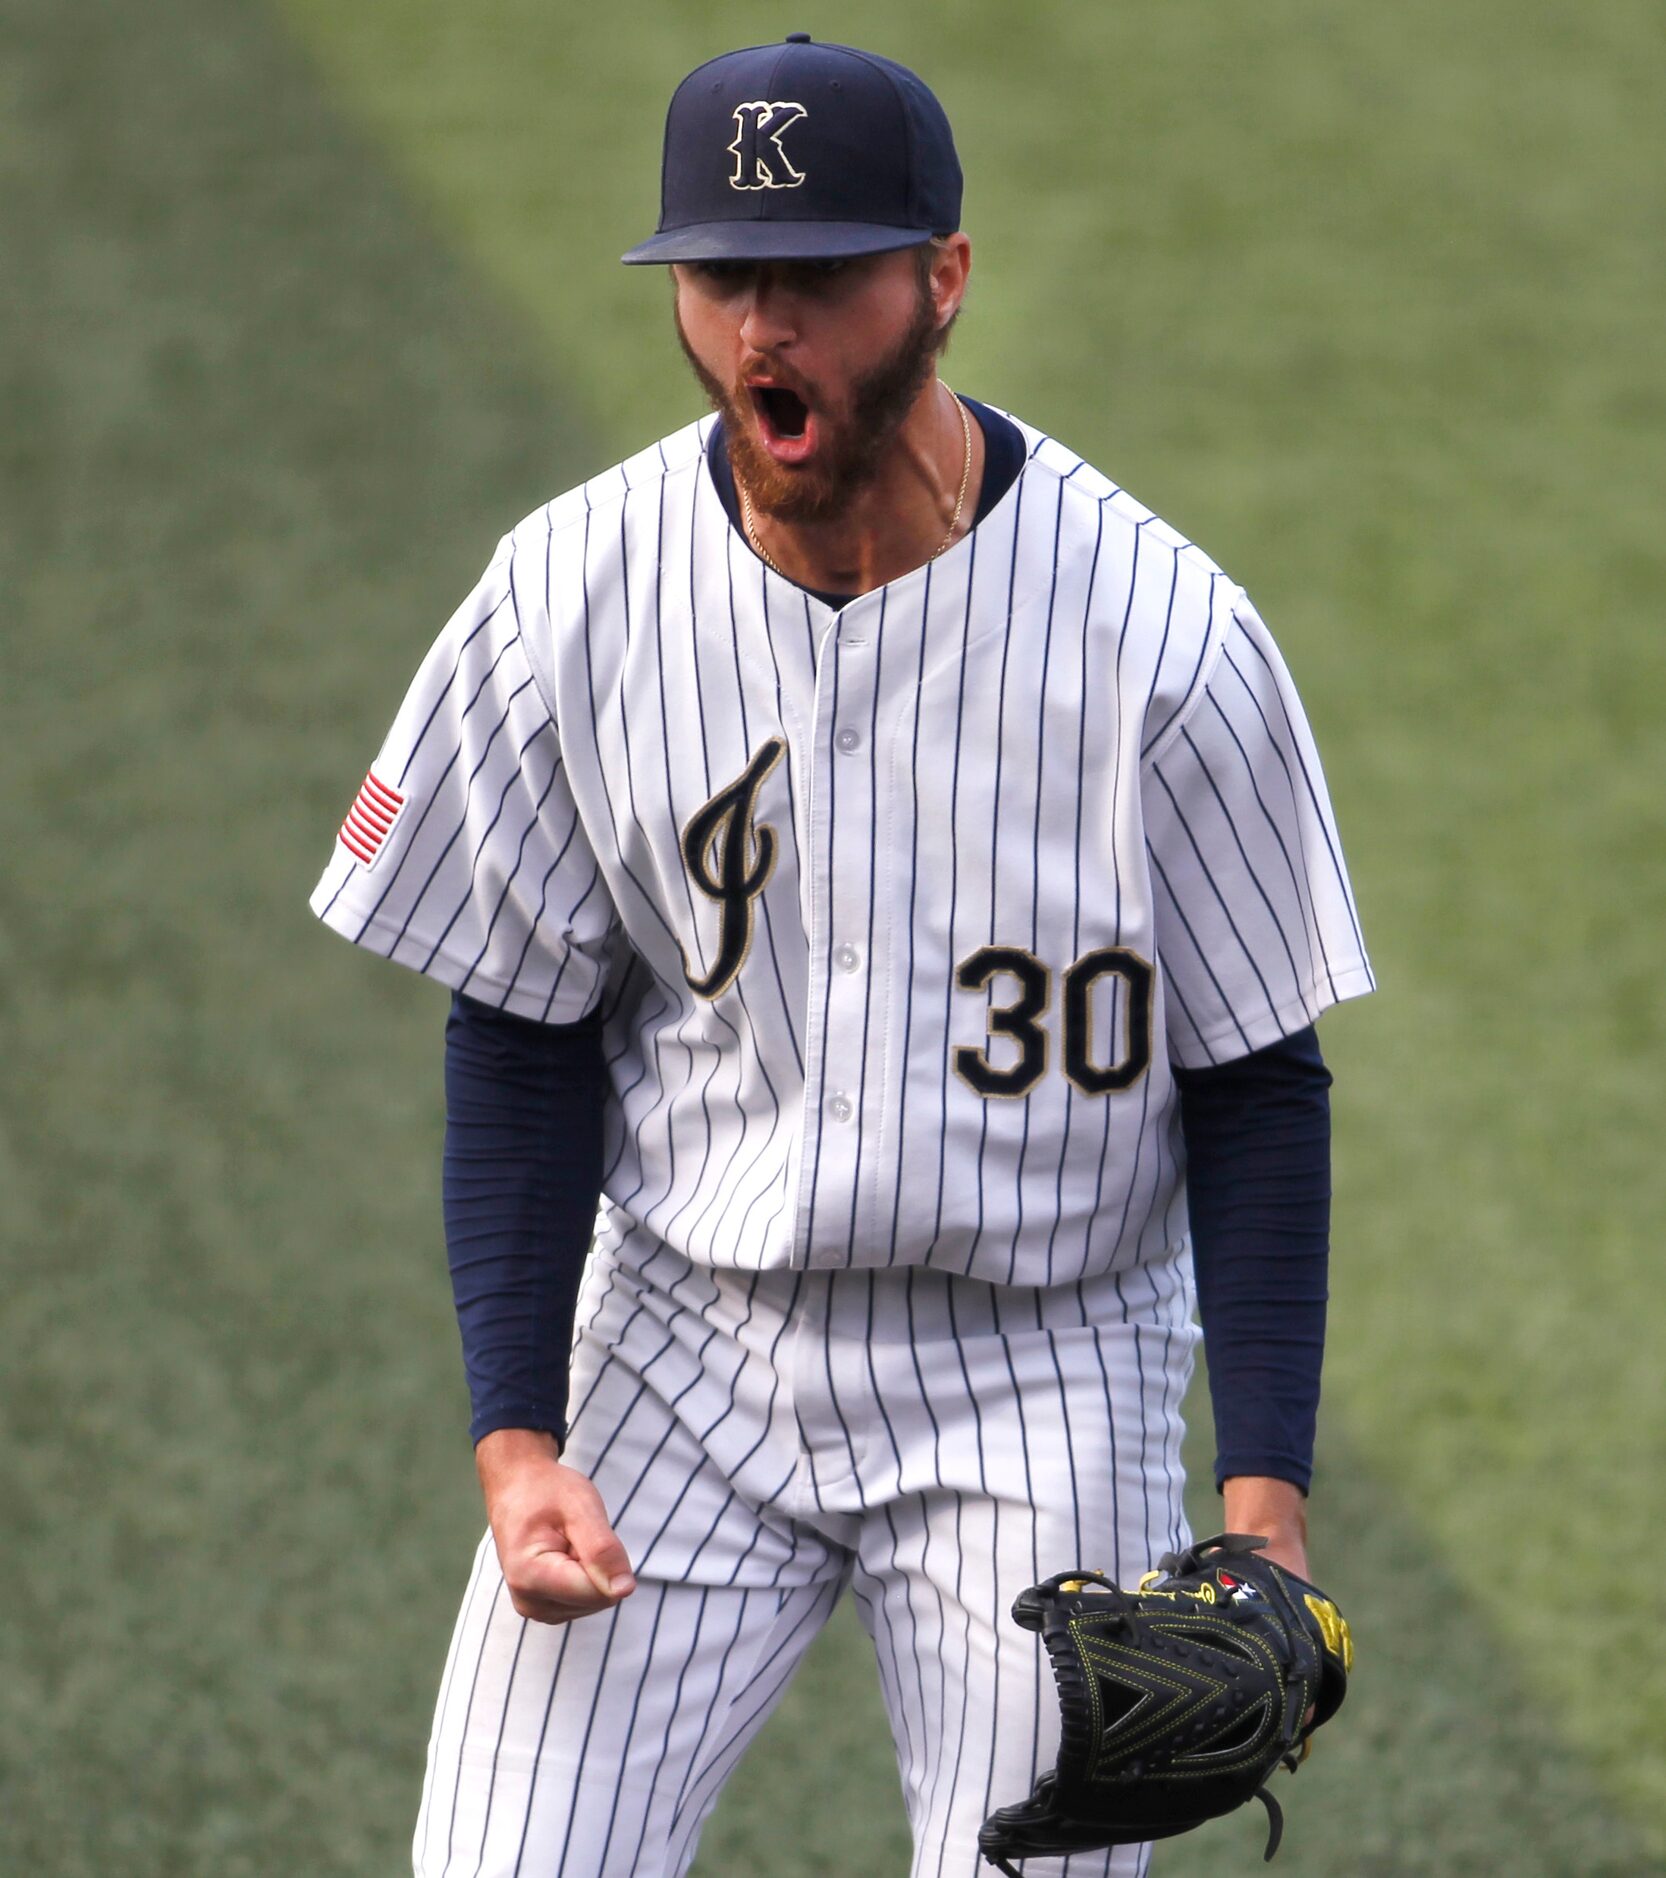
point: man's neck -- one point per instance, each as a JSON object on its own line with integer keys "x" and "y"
{"x": 920, "y": 502}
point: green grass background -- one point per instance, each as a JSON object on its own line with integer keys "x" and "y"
{"x": 300, "y": 306}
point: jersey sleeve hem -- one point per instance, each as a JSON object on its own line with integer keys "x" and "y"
{"x": 539, "y": 1417}
{"x": 410, "y": 949}
{"x": 1243, "y": 1463}
{"x": 1233, "y": 1039}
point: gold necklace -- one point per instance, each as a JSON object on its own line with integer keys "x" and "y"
{"x": 763, "y": 554}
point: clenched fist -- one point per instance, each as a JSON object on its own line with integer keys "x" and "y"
{"x": 560, "y": 1557}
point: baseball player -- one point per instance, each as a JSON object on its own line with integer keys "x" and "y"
{"x": 886, "y": 885}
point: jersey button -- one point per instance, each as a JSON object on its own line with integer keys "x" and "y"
{"x": 840, "y": 1107}
{"x": 849, "y": 741}
{"x": 847, "y": 958}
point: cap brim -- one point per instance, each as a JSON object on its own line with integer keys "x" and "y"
{"x": 774, "y": 241}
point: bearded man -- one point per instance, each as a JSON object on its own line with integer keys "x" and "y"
{"x": 886, "y": 886}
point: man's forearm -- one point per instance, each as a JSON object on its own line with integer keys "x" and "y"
{"x": 1257, "y": 1134}
{"x": 523, "y": 1151}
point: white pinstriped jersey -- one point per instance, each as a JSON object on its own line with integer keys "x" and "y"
{"x": 898, "y": 912}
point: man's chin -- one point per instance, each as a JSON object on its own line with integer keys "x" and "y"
{"x": 786, "y": 492}
{"x": 798, "y": 502}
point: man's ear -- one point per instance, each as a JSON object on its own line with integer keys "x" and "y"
{"x": 951, "y": 267}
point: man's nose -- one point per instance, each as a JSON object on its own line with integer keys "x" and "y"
{"x": 770, "y": 319}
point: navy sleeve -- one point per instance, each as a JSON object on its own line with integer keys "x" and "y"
{"x": 523, "y": 1171}
{"x": 1257, "y": 1136}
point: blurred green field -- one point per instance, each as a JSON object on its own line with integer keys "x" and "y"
{"x": 300, "y": 306}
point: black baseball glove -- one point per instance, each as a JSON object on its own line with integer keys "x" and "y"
{"x": 1178, "y": 1699}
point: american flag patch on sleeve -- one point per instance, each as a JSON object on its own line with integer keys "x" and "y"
{"x": 371, "y": 818}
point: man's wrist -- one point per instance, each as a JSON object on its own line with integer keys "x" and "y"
{"x": 506, "y": 1449}
{"x": 1274, "y": 1509}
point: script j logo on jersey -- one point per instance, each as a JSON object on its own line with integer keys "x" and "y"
{"x": 760, "y": 160}
{"x": 730, "y": 859}
{"x": 376, "y": 808}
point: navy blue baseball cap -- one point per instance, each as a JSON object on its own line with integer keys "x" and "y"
{"x": 802, "y": 152}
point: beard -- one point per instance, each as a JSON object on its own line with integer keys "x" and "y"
{"x": 853, "y": 443}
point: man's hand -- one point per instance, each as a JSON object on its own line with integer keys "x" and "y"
{"x": 560, "y": 1557}
{"x": 1257, "y": 1503}
{"x": 1275, "y": 1508}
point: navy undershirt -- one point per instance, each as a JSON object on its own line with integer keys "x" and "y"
{"x": 523, "y": 1171}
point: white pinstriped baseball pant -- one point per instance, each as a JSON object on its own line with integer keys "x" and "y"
{"x": 760, "y": 1442}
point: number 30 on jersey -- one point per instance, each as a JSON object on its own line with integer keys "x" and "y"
{"x": 1022, "y": 1020}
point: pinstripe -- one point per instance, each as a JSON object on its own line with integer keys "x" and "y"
{"x": 474, "y": 773}
{"x": 435, "y": 796}
{"x": 543, "y": 1730}
{"x": 497, "y": 1750}
{"x": 878, "y": 1392}
{"x": 972, "y": 1401}
{"x": 827, "y": 979}
{"x": 738, "y": 1733}
{"x": 995, "y": 838}
{"x": 1076, "y": 894}
{"x": 1315, "y": 797}
{"x": 1035, "y": 867}
{"x": 1117, "y": 871}
{"x": 718, "y": 1683}
{"x": 915, "y": 1749}
{"x": 828, "y": 737}
{"x": 630, "y": 1730}
{"x": 611, "y": 1619}
{"x": 1182, "y": 709}
{"x": 1145, "y": 1420}
{"x": 1167, "y": 1194}
{"x": 1311, "y": 929}
{"x": 913, "y": 902}
{"x": 965, "y": 1672}
{"x": 1035, "y": 1555}
{"x": 868, "y": 933}
{"x": 445, "y": 1690}
{"x": 740, "y": 991}
{"x": 938, "y": 1735}
{"x": 1177, "y": 1002}
{"x": 1315, "y": 790}
{"x": 787, "y": 1014}
{"x": 954, "y": 891}
{"x": 1201, "y": 952}
{"x": 647, "y": 900}
{"x": 577, "y": 907}
{"x": 1243, "y": 853}
{"x": 624, "y": 1091}
{"x": 993, "y": 1615}
{"x": 1113, "y": 1448}
{"x": 509, "y": 879}
{"x": 457, "y": 665}
{"x": 480, "y": 846}
{"x": 1207, "y": 874}
{"x": 1069, "y": 1447}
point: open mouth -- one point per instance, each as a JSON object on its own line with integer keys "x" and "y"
{"x": 784, "y": 411}
{"x": 786, "y": 424}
